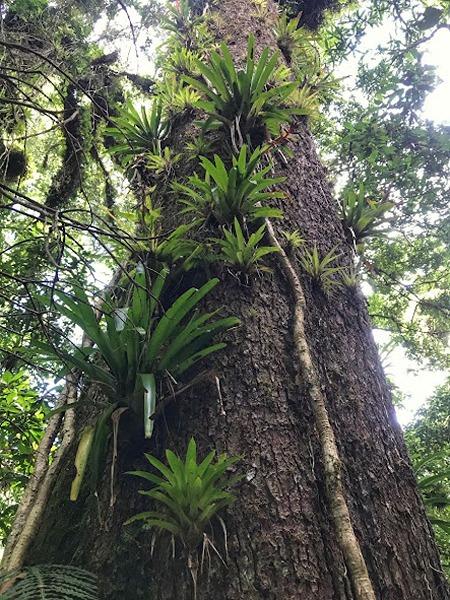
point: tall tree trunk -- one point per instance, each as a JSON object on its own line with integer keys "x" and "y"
{"x": 282, "y": 540}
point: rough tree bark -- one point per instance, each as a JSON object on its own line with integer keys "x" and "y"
{"x": 282, "y": 542}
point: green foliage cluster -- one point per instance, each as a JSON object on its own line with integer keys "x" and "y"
{"x": 242, "y": 252}
{"x": 361, "y": 216}
{"x": 189, "y": 40}
{"x": 322, "y": 269}
{"x": 238, "y": 192}
{"x": 288, "y": 34}
{"x": 176, "y": 249}
{"x": 138, "y": 338}
{"x": 139, "y": 345}
{"x": 21, "y": 425}
{"x": 428, "y": 440}
{"x": 190, "y": 494}
{"x": 302, "y": 51}
{"x": 293, "y": 239}
{"x": 139, "y": 132}
{"x": 187, "y": 28}
{"x": 245, "y": 101}
{"x": 385, "y": 146}
{"x": 434, "y": 488}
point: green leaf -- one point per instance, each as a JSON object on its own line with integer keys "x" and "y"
{"x": 174, "y": 315}
{"x": 190, "y": 495}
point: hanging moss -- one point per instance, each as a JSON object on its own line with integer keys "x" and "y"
{"x": 13, "y": 163}
{"x": 67, "y": 180}
{"x": 312, "y": 11}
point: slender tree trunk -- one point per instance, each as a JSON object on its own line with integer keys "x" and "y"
{"x": 283, "y": 542}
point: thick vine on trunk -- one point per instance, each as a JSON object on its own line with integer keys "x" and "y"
{"x": 283, "y": 542}
{"x": 332, "y": 464}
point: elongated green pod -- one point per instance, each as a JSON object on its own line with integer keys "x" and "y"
{"x": 81, "y": 458}
{"x": 99, "y": 444}
{"x": 149, "y": 383}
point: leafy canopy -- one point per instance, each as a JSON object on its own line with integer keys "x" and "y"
{"x": 428, "y": 440}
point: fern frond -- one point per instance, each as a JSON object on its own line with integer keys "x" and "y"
{"x": 49, "y": 582}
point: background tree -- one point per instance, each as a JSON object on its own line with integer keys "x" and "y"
{"x": 427, "y": 440}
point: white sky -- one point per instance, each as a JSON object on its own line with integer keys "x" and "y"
{"x": 437, "y": 105}
{"x": 416, "y": 383}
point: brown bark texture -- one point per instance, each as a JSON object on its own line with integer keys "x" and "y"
{"x": 281, "y": 540}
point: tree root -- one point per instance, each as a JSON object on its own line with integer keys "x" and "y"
{"x": 348, "y": 542}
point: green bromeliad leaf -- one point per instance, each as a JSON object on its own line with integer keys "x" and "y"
{"x": 240, "y": 191}
{"x": 134, "y": 346}
{"x": 240, "y": 252}
{"x": 244, "y": 100}
{"x": 188, "y": 494}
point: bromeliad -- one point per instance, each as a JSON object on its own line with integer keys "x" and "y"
{"x": 135, "y": 346}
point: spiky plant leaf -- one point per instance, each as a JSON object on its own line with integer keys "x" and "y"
{"x": 240, "y": 252}
{"x": 137, "y": 132}
{"x": 360, "y": 216}
{"x": 322, "y": 269}
{"x": 141, "y": 343}
{"x": 243, "y": 100}
{"x": 145, "y": 338}
{"x": 239, "y": 191}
